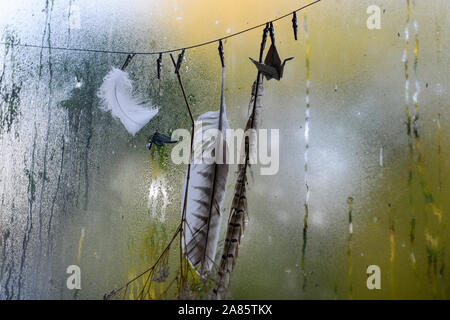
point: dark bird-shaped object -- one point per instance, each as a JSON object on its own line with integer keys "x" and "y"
{"x": 159, "y": 139}
{"x": 272, "y": 68}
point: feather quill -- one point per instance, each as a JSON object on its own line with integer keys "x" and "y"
{"x": 239, "y": 208}
{"x": 116, "y": 96}
{"x": 206, "y": 191}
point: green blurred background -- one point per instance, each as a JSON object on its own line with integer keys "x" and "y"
{"x": 76, "y": 188}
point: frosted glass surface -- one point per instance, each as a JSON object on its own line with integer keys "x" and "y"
{"x": 77, "y": 189}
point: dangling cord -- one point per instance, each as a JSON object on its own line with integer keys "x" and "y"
{"x": 295, "y": 25}
{"x": 223, "y": 273}
{"x": 258, "y": 79}
{"x": 159, "y": 65}
{"x": 218, "y": 153}
{"x": 127, "y": 61}
{"x": 183, "y": 274}
{"x": 263, "y": 43}
{"x": 272, "y": 33}
{"x": 222, "y": 90}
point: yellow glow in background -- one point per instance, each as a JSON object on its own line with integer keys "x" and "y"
{"x": 357, "y": 102}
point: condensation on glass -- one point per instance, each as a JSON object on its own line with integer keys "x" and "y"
{"x": 77, "y": 189}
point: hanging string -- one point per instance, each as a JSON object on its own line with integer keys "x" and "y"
{"x": 158, "y": 70}
{"x": 179, "y": 61}
{"x": 163, "y": 51}
{"x": 263, "y": 42}
{"x": 159, "y": 65}
{"x": 272, "y": 33}
{"x": 127, "y": 61}
{"x": 295, "y": 25}
{"x": 221, "y": 53}
{"x": 218, "y": 155}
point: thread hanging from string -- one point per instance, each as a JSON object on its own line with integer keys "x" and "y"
{"x": 272, "y": 33}
{"x": 295, "y": 25}
{"x": 159, "y": 65}
{"x": 158, "y": 70}
{"x": 221, "y": 53}
{"x": 127, "y": 61}
{"x": 179, "y": 61}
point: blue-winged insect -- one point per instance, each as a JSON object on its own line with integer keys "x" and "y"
{"x": 159, "y": 139}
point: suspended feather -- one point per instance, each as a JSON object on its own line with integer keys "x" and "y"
{"x": 239, "y": 208}
{"x": 206, "y": 190}
{"x": 116, "y": 96}
{"x": 258, "y": 106}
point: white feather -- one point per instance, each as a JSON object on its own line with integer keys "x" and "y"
{"x": 206, "y": 192}
{"x": 199, "y": 203}
{"x": 116, "y": 94}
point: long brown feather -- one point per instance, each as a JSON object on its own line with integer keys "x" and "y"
{"x": 239, "y": 208}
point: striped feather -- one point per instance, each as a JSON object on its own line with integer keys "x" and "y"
{"x": 206, "y": 191}
{"x": 239, "y": 208}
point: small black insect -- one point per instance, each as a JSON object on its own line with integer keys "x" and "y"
{"x": 159, "y": 139}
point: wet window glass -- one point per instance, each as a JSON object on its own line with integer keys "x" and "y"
{"x": 351, "y": 201}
